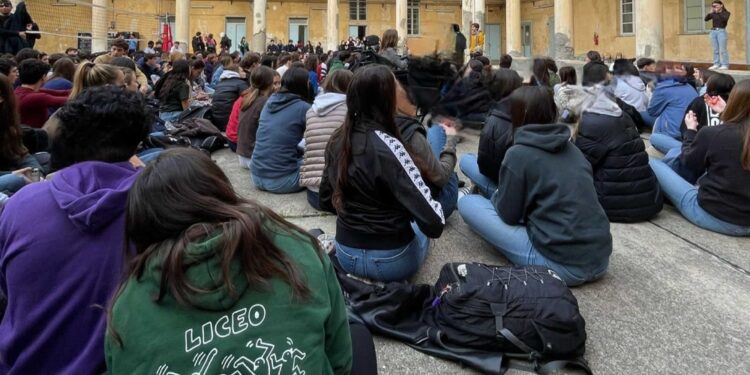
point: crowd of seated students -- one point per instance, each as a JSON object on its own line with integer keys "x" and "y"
{"x": 556, "y": 163}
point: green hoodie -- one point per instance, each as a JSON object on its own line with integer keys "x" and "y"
{"x": 247, "y": 333}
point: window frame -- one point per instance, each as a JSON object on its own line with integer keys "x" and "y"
{"x": 413, "y": 18}
{"x": 622, "y": 16}
{"x": 705, "y": 29}
{"x": 361, "y": 10}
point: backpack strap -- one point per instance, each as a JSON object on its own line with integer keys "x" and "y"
{"x": 498, "y": 310}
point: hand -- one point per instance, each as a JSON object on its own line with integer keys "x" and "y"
{"x": 716, "y": 103}
{"x": 691, "y": 121}
{"x": 25, "y": 173}
{"x": 449, "y": 130}
{"x": 22, "y": 34}
{"x": 136, "y": 162}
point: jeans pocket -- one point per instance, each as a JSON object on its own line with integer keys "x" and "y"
{"x": 399, "y": 265}
{"x": 348, "y": 262}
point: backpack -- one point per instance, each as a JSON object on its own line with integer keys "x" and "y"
{"x": 524, "y": 312}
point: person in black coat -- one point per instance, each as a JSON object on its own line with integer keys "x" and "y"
{"x": 230, "y": 87}
{"x": 497, "y": 135}
{"x": 13, "y": 28}
{"x": 625, "y": 184}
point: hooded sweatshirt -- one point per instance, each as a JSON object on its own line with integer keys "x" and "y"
{"x": 281, "y": 127}
{"x": 61, "y": 258}
{"x": 546, "y": 185}
{"x": 632, "y": 90}
{"x": 248, "y": 332}
{"x": 327, "y": 114}
{"x": 226, "y": 93}
{"x": 671, "y": 99}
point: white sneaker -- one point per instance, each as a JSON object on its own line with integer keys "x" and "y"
{"x": 723, "y": 67}
{"x": 713, "y": 67}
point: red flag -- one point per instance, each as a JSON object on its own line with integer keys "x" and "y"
{"x": 166, "y": 36}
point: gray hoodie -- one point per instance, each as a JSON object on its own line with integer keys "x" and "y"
{"x": 631, "y": 90}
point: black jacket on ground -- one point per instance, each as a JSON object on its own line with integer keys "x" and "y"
{"x": 226, "y": 93}
{"x": 495, "y": 140}
{"x": 626, "y": 185}
{"x": 725, "y": 188}
{"x": 384, "y": 192}
{"x": 546, "y": 185}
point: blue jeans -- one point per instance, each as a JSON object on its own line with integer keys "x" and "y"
{"x": 150, "y": 154}
{"x": 648, "y": 119}
{"x": 10, "y": 183}
{"x": 279, "y": 185}
{"x": 448, "y": 195}
{"x": 313, "y": 198}
{"x": 664, "y": 143}
{"x": 385, "y": 265}
{"x": 684, "y": 196}
{"x": 470, "y": 168}
{"x": 170, "y": 116}
{"x": 514, "y": 243}
{"x": 719, "y": 45}
{"x": 672, "y": 159}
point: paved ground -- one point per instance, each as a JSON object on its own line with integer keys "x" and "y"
{"x": 676, "y": 299}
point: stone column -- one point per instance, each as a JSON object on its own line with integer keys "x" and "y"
{"x": 182, "y": 24}
{"x": 649, "y": 29}
{"x": 99, "y": 25}
{"x": 332, "y": 31}
{"x": 259, "y": 26}
{"x": 564, "y": 29}
{"x": 513, "y": 28}
{"x": 401, "y": 13}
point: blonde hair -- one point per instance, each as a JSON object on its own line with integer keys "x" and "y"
{"x": 90, "y": 74}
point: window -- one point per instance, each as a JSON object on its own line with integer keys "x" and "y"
{"x": 627, "y": 21}
{"x": 412, "y": 17}
{"x": 358, "y": 10}
{"x": 695, "y": 13}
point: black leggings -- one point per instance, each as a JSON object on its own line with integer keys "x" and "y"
{"x": 363, "y": 350}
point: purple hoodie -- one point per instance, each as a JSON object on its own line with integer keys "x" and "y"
{"x": 61, "y": 258}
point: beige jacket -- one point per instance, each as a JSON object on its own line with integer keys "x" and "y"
{"x": 325, "y": 116}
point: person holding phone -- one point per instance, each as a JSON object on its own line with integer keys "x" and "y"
{"x": 719, "y": 17}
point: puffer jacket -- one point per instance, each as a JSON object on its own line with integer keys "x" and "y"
{"x": 327, "y": 114}
{"x": 625, "y": 183}
{"x": 230, "y": 88}
{"x": 495, "y": 140}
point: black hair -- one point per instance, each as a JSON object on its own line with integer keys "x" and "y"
{"x": 532, "y": 105}
{"x": 124, "y": 62}
{"x": 506, "y": 61}
{"x": 551, "y": 64}
{"x": 104, "y": 123}
{"x": 541, "y": 72}
{"x": 6, "y": 65}
{"x": 180, "y": 73}
{"x": 504, "y": 82}
{"x": 594, "y": 73}
{"x": 594, "y": 56}
{"x": 27, "y": 53}
{"x": 568, "y": 75}
{"x": 644, "y": 62}
{"x": 624, "y": 67}
{"x": 297, "y": 81}
{"x": 120, "y": 43}
{"x": 456, "y": 28}
{"x": 720, "y": 84}
{"x": 32, "y": 71}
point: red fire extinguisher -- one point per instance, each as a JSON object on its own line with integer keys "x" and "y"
{"x": 596, "y": 39}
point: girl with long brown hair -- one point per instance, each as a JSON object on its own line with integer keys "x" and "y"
{"x": 721, "y": 156}
{"x": 386, "y": 213}
{"x": 15, "y": 161}
{"x": 216, "y": 274}
{"x": 250, "y": 105}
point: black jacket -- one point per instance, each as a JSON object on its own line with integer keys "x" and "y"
{"x": 546, "y": 185}
{"x": 705, "y": 115}
{"x": 495, "y": 140}
{"x": 627, "y": 187}
{"x": 227, "y": 92}
{"x": 384, "y": 192}
{"x": 717, "y": 151}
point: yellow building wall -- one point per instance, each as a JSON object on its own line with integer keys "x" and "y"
{"x": 538, "y": 13}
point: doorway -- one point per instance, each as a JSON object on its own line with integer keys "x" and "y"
{"x": 357, "y": 31}
{"x": 492, "y": 42}
{"x": 298, "y": 29}
{"x": 235, "y": 30}
{"x": 526, "y": 39}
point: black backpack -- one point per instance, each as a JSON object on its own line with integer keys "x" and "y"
{"x": 524, "y": 312}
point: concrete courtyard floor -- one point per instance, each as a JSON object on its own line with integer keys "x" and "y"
{"x": 676, "y": 299}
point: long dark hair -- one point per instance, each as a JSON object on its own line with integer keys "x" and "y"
{"x": 371, "y": 98}
{"x": 541, "y": 72}
{"x": 183, "y": 196}
{"x": 180, "y": 73}
{"x": 532, "y": 105}
{"x": 738, "y": 112}
{"x": 11, "y": 136}
{"x": 297, "y": 81}
{"x": 261, "y": 84}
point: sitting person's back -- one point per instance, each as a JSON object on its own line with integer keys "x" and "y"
{"x": 276, "y": 158}
{"x": 34, "y": 102}
{"x": 669, "y": 102}
{"x": 227, "y": 90}
{"x": 276, "y": 296}
{"x": 61, "y": 241}
{"x": 627, "y": 188}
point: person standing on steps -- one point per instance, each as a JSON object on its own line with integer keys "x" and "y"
{"x": 719, "y": 17}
